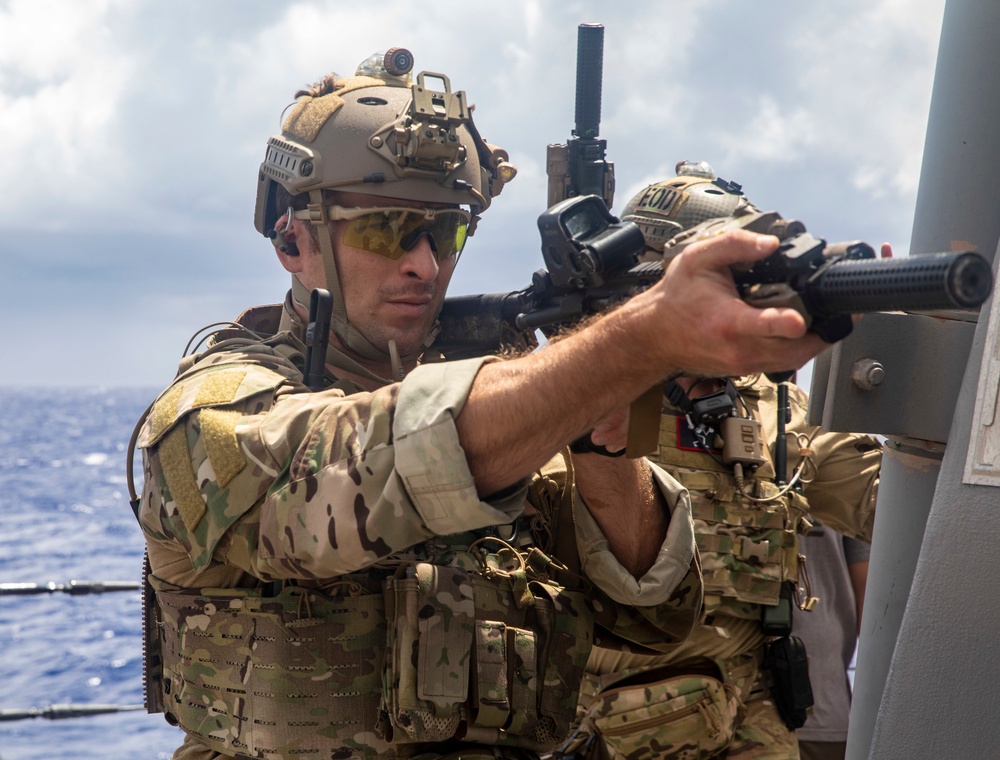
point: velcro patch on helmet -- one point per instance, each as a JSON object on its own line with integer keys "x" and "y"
{"x": 310, "y": 114}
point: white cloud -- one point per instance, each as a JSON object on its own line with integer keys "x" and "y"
{"x": 771, "y": 135}
{"x": 134, "y": 120}
{"x": 878, "y": 95}
{"x": 44, "y": 40}
{"x": 61, "y": 85}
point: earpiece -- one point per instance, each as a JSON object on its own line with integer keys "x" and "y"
{"x": 278, "y": 236}
{"x": 285, "y": 246}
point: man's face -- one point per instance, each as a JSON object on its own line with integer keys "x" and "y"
{"x": 385, "y": 299}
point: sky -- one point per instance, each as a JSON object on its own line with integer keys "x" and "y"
{"x": 132, "y": 132}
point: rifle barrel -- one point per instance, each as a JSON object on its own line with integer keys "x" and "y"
{"x": 477, "y": 325}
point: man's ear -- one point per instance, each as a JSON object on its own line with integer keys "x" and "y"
{"x": 283, "y": 238}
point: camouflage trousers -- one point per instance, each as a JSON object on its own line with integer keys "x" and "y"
{"x": 762, "y": 735}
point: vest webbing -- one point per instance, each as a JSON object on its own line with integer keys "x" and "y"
{"x": 747, "y": 547}
{"x": 303, "y": 674}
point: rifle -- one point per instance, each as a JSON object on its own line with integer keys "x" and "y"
{"x": 495, "y": 322}
{"x": 579, "y": 167}
{"x": 592, "y": 262}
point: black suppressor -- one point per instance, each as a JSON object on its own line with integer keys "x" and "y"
{"x": 589, "y": 73}
{"x": 916, "y": 283}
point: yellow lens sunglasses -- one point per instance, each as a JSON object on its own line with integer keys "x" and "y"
{"x": 390, "y": 231}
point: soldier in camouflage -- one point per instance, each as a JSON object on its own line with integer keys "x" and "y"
{"x": 408, "y": 562}
{"x": 711, "y": 696}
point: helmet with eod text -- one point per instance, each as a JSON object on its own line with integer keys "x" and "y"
{"x": 665, "y": 209}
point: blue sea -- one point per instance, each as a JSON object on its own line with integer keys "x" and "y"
{"x": 64, "y": 515}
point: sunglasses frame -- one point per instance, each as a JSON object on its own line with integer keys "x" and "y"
{"x": 346, "y": 213}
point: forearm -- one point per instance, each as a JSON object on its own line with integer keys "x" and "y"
{"x": 664, "y": 581}
{"x": 521, "y": 412}
{"x": 608, "y": 486}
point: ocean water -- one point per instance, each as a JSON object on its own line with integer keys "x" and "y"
{"x": 64, "y": 515}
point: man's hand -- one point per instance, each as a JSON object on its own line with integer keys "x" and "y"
{"x": 611, "y": 432}
{"x": 708, "y": 330}
{"x": 521, "y": 412}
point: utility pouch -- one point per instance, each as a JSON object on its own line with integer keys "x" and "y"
{"x": 489, "y": 659}
{"x": 662, "y": 714}
{"x": 791, "y": 689}
{"x": 422, "y": 686}
{"x": 776, "y": 620}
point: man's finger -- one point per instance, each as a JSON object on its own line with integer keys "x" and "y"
{"x": 732, "y": 247}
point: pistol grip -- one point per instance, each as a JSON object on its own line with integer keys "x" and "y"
{"x": 644, "y": 423}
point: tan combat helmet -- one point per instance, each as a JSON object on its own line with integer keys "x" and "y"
{"x": 378, "y": 133}
{"x": 665, "y": 209}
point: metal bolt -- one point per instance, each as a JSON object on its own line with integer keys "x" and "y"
{"x": 867, "y": 373}
{"x": 306, "y": 169}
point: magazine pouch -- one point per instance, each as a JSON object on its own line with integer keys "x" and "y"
{"x": 486, "y": 658}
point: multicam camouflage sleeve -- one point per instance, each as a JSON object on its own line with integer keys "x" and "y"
{"x": 251, "y": 471}
{"x": 843, "y": 485}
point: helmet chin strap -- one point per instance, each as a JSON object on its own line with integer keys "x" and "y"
{"x": 301, "y": 296}
{"x": 348, "y": 334}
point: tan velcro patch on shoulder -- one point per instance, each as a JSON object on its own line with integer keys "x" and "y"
{"x": 165, "y": 410}
{"x": 175, "y": 458}
{"x": 219, "y": 387}
{"x": 218, "y": 434}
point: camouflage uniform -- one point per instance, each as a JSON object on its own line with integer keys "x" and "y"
{"x": 329, "y": 583}
{"x": 708, "y": 697}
